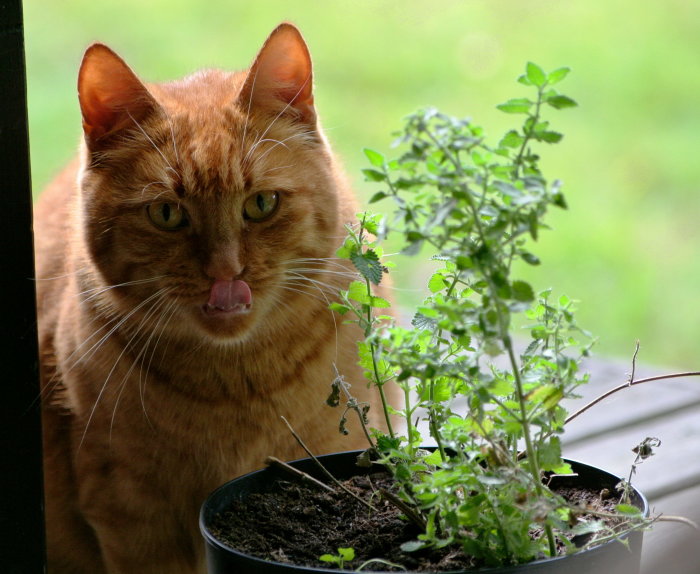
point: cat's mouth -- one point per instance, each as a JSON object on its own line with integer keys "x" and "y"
{"x": 228, "y": 298}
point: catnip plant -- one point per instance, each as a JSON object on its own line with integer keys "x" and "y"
{"x": 476, "y": 209}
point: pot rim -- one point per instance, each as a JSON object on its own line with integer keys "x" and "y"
{"x": 206, "y": 513}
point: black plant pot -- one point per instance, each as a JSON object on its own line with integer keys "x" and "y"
{"x": 611, "y": 557}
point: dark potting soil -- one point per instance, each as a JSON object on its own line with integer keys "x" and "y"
{"x": 300, "y": 523}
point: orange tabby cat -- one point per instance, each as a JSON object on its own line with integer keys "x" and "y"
{"x": 183, "y": 298}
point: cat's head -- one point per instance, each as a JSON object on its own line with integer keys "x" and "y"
{"x": 210, "y": 198}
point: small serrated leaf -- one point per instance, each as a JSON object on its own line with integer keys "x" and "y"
{"x": 516, "y": 106}
{"x": 368, "y": 265}
{"x": 512, "y": 139}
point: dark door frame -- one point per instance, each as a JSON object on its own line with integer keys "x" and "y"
{"x": 22, "y": 539}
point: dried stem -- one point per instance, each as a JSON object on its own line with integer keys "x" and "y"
{"x": 301, "y": 475}
{"x": 324, "y": 469}
{"x": 629, "y": 383}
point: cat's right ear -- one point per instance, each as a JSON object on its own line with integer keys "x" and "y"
{"x": 111, "y": 97}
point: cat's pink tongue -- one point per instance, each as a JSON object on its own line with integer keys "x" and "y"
{"x": 229, "y": 296}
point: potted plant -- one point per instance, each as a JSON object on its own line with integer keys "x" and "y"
{"x": 494, "y": 490}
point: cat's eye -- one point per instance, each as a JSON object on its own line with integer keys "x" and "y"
{"x": 167, "y": 216}
{"x": 261, "y": 205}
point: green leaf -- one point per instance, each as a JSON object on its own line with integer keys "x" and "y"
{"x": 464, "y": 262}
{"x": 339, "y": 308}
{"x": 434, "y": 458}
{"x": 412, "y": 546}
{"x": 368, "y": 265}
{"x": 535, "y": 74}
{"x": 374, "y": 157}
{"x": 530, "y": 258}
{"x": 549, "y": 137}
{"x": 437, "y": 282}
{"x": 346, "y": 554}
{"x": 557, "y": 75}
{"x": 357, "y": 291}
{"x": 379, "y": 302}
{"x": 522, "y": 291}
{"x": 378, "y": 196}
{"x": 628, "y": 509}
{"x": 371, "y": 222}
{"x": 512, "y": 139}
{"x": 374, "y": 175}
{"x": 516, "y": 106}
{"x": 560, "y": 102}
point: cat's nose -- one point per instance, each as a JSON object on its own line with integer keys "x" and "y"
{"x": 224, "y": 263}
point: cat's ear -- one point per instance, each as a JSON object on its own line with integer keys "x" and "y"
{"x": 111, "y": 97}
{"x": 281, "y": 73}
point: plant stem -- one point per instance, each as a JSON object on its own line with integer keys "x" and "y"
{"x": 505, "y": 338}
{"x": 409, "y": 423}
{"x": 373, "y": 349}
{"x": 324, "y": 469}
{"x": 533, "y": 463}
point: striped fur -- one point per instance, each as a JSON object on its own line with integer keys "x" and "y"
{"x": 149, "y": 403}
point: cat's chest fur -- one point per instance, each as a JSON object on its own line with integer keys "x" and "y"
{"x": 183, "y": 291}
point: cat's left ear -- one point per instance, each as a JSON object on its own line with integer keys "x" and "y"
{"x": 281, "y": 73}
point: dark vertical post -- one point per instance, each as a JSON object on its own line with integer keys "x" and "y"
{"x": 21, "y": 495}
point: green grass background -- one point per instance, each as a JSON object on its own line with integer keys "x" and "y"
{"x": 629, "y": 246}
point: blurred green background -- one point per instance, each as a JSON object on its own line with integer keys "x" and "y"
{"x": 629, "y": 246}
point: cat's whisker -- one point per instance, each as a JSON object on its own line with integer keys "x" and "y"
{"x": 322, "y": 261}
{"x": 291, "y": 286}
{"x": 143, "y": 378}
{"x": 323, "y": 287}
{"x": 278, "y": 116}
{"x": 94, "y": 348}
{"x": 329, "y": 272}
{"x": 271, "y": 169}
{"x": 249, "y": 107}
{"x": 298, "y": 288}
{"x": 172, "y": 138}
{"x": 145, "y": 187}
{"x": 276, "y": 143}
{"x": 62, "y": 275}
{"x": 96, "y": 291}
{"x": 56, "y": 380}
{"x": 261, "y": 137}
{"x": 136, "y": 338}
{"x": 143, "y": 132}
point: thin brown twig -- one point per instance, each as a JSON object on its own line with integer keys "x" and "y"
{"x": 679, "y": 519}
{"x": 324, "y": 469}
{"x": 300, "y": 474}
{"x": 627, "y": 384}
{"x": 634, "y": 362}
